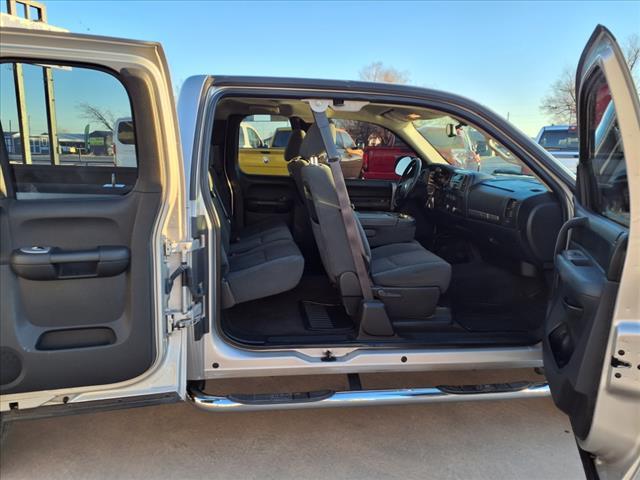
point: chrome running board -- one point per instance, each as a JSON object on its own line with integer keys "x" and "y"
{"x": 362, "y": 398}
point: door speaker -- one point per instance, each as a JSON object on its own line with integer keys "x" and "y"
{"x": 10, "y": 366}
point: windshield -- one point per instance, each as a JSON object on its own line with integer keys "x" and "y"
{"x": 450, "y": 138}
{"x": 559, "y": 139}
{"x": 466, "y": 146}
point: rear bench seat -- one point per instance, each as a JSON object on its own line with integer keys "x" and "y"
{"x": 257, "y": 261}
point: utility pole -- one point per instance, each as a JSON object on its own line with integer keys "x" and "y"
{"x": 40, "y": 11}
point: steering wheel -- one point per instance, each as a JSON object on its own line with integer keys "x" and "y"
{"x": 407, "y": 182}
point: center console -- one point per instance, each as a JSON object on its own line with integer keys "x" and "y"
{"x": 452, "y": 195}
{"x": 383, "y": 228}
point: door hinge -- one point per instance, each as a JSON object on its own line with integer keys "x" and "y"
{"x": 183, "y": 247}
{"x": 192, "y": 309}
{"x": 177, "y": 320}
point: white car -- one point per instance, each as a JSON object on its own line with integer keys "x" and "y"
{"x": 128, "y": 287}
{"x": 248, "y": 137}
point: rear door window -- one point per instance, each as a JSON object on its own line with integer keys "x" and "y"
{"x": 262, "y": 140}
{"x": 58, "y": 125}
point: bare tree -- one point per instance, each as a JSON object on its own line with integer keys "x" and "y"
{"x": 560, "y": 103}
{"x": 102, "y": 117}
{"x": 177, "y": 85}
{"x": 632, "y": 53}
{"x": 365, "y": 133}
{"x": 377, "y": 72}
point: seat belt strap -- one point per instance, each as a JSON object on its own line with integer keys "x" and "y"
{"x": 353, "y": 234}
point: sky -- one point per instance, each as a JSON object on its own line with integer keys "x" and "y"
{"x": 504, "y": 55}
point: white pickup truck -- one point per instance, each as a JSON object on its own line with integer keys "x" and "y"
{"x": 562, "y": 142}
{"x": 132, "y": 286}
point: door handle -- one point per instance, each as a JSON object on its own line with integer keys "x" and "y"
{"x": 51, "y": 263}
{"x": 561, "y": 241}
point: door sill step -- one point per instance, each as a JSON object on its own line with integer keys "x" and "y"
{"x": 361, "y": 398}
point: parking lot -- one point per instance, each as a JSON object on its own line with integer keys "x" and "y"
{"x": 482, "y": 440}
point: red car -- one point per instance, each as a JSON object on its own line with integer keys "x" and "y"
{"x": 379, "y": 163}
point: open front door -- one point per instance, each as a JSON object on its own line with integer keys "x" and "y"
{"x": 84, "y": 225}
{"x": 592, "y": 337}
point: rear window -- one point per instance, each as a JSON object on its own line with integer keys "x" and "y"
{"x": 559, "y": 140}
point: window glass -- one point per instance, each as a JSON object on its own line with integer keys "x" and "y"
{"x": 369, "y": 151}
{"x": 606, "y": 157}
{"x": 67, "y": 128}
{"x": 262, "y": 140}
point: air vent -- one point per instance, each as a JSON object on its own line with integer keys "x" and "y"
{"x": 511, "y": 210}
{"x": 458, "y": 181}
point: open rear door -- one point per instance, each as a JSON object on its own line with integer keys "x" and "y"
{"x": 88, "y": 231}
{"x": 592, "y": 336}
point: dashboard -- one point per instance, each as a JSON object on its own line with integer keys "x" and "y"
{"x": 516, "y": 215}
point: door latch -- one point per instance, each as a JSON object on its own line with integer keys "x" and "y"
{"x": 624, "y": 370}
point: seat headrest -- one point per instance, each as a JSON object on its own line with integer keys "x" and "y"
{"x": 293, "y": 145}
{"x": 312, "y": 145}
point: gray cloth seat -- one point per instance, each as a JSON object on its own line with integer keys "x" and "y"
{"x": 258, "y": 260}
{"x": 263, "y": 271}
{"x": 405, "y": 276}
{"x": 409, "y": 265}
{"x": 257, "y": 235}
{"x": 294, "y": 144}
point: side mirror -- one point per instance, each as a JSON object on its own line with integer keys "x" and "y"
{"x": 401, "y": 165}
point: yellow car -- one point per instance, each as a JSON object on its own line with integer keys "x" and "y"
{"x": 257, "y": 157}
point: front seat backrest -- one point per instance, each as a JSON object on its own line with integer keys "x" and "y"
{"x": 294, "y": 162}
{"x": 292, "y": 149}
{"x": 326, "y": 219}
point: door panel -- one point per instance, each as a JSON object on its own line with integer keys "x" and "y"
{"x": 579, "y": 319}
{"x": 81, "y": 237}
{"x": 267, "y": 198}
{"x": 592, "y": 330}
{"x": 78, "y": 329}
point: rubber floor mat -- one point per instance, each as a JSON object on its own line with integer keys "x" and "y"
{"x": 322, "y": 316}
